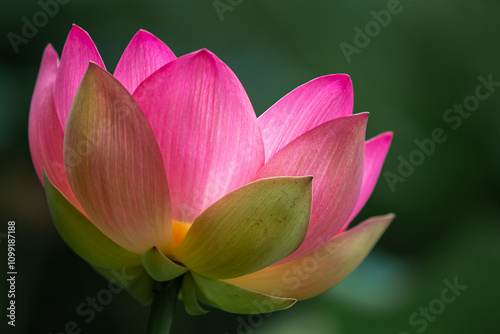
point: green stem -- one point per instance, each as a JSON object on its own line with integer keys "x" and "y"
{"x": 162, "y": 311}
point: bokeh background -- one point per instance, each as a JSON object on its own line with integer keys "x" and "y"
{"x": 425, "y": 60}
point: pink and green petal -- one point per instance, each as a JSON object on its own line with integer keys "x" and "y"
{"x": 78, "y": 51}
{"x": 248, "y": 229}
{"x": 189, "y": 297}
{"x": 160, "y": 267}
{"x": 333, "y": 154}
{"x": 82, "y": 236}
{"x": 46, "y": 136}
{"x": 321, "y": 269}
{"x": 234, "y": 299}
{"x": 312, "y": 104}
{"x": 375, "y": 152}
{"x": 114, "y": 165}
{"x": 134, "y": 279}
{"x": 206, "y": 129}
{"x": 144, "y": 54}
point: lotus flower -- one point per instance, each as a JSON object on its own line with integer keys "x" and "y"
{"x": 162, "y": 170}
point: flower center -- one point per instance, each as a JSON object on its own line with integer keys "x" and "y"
{"x": 179, "y": 230}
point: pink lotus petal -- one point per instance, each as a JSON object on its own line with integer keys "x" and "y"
{"x": 333, "y": 154}
{"x": 114, "y": 165}
{"x": 206, "y": 128}
{"x": 78, "y": 51}
{"x": 312, "y": 104}
{"x": 375, "y": 152}
{"x": 144, "y": 54}
{"x": 46, "y": 136}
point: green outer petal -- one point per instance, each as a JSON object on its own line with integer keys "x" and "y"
{"x": 233, "y": 299}
{"x": 134, "y": 279}
{"x": 248, "y": 229}
{"x": 160, "y": 267}
{"x": 82, "y": 236}
{"x": 322, "y": 268}
{"x": 189, "y": 296}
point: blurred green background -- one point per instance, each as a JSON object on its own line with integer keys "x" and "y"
{"x": 410, "y": 72}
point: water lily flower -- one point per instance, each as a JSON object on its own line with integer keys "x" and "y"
{"x": 162, "y": 171}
